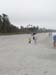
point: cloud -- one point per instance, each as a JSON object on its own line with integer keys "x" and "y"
{"x": 30, "y": 11}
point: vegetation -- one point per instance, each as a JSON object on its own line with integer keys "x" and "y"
{"x": 29, "y": 29}
{"x": 7, "y": 28}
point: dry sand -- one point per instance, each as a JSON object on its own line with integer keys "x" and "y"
{"x": 18, "y": 57}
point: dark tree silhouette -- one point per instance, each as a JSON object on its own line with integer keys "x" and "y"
{"x": 6, "y": 26}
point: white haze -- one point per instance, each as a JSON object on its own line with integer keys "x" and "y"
{"x": 35, "y": 12}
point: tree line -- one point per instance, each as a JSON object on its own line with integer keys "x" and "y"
{"x": 7, "y": 27}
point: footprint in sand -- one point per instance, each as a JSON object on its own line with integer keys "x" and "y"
{"x": 45, "y": 72}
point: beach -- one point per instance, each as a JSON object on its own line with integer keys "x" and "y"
{"x": 18, "y": 57}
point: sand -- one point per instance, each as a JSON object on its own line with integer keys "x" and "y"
{"x": 18, "y": 57}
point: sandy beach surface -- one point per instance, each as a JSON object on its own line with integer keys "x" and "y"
{"x": 18, "y": 57}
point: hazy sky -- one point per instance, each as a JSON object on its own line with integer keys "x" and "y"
{"x": 36, "y": 12}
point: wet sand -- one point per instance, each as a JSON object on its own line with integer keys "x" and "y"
{"x": 18, "y": 57}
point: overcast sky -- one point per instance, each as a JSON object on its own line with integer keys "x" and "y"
{"x": 36, "y": 12}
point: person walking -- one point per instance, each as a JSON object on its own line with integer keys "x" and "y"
{"x": 35, "y": 39}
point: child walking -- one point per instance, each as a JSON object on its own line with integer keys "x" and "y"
{"x": 29, "y": 40}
